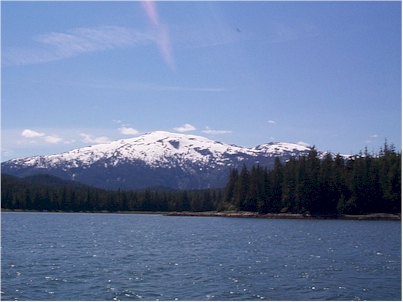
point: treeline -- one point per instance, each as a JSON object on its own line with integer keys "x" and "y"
{"x": 20, "y": 194}
{"x": 330, "y": 186}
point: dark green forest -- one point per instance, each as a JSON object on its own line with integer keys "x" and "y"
{"x": 331, "y": 186}
{"x": 35, "y": 193}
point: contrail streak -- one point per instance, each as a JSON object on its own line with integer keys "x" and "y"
{"x": 163, "y": 40}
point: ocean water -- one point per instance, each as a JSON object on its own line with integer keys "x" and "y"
{"x": 66, "y": 256}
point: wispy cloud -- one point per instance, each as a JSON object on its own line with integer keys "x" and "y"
{"x": 281, "y": 32}
{"x": 185, "y": 128}
{"x": 271, "y": 122}
{"x": 53, "y": 139}
{"x": 7, "y": 152}
{"x": 55, "y": 46}
{"x": 60, "y": 45}
{"x": 373, "y": 139}
{"x": 90, "y": 139}
{"x": 181, "y": 88}
{"x": 140, "y": 86}
{"x": 211, "y": 131}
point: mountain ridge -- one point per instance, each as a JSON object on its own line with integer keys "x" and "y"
{"x": 180, "y": 161}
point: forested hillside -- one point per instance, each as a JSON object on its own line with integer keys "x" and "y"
{"x": 366, "y": 183}
{"x": 331, "y": 186}
{"x": 33, "y": 194}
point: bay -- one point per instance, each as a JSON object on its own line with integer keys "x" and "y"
{"x": 80, "y": 256}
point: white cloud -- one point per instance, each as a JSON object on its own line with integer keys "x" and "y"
{"x": 304, "y": 144}
{"x": 53, "y": 139}
{"x": 87, "y": 138}
{"x": 125, "y": 129}
{"x": 185, "y": 128}
{"x": 210, "y": 131}
{"x": 27, "y": 133}
{"x": 374, "y": 135}
{"x": 271, "y": 122}
{"x": 128, "y": 130}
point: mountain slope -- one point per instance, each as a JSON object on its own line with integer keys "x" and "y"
{"x": 157, "y": 158}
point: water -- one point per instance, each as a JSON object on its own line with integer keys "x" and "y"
{"x": 55, "y": 256}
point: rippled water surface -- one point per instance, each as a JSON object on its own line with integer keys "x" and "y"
{"x": 55, "y": 256}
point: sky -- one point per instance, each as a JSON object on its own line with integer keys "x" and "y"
{"x": 75, "y": 74}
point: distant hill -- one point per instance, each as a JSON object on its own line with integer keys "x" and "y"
{"x": 50, "y": 180}
{"x": 40, "y": 180}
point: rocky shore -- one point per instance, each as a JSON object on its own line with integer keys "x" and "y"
{"x": 375, "y": 216}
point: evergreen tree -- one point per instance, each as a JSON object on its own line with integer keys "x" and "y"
{"x": 289, "y": 189}
{"x": 276, "y": 184}
{"x": 241, "y": 189}
{"x": 313, "y": 185}
{"x": 207, "y": 201}
{"x": 146, "y": 202}
{"x": 185, "y": 202}
{"x": 328, "y": 195}
{"x": 252, "y": 195}
{"x": 230, "y": 187}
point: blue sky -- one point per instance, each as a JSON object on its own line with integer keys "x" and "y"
{"x": 79, "y": 73}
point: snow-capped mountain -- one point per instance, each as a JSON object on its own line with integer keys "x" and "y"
{"x": 154, "y": 159}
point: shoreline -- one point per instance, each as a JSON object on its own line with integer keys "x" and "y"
{"x": 374, "y": 216}
{"x": 232, "y": 214}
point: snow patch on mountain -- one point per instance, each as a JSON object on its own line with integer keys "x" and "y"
{"x": 280, "y": 149}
